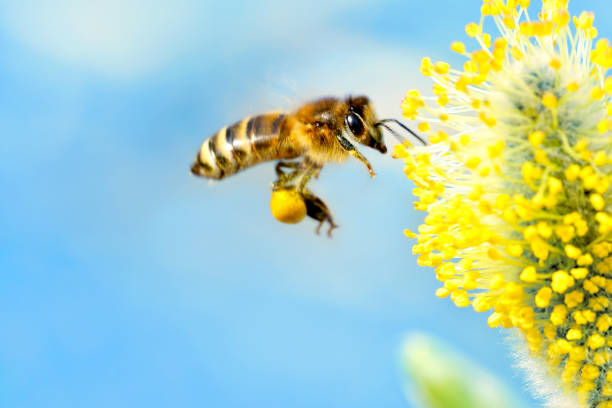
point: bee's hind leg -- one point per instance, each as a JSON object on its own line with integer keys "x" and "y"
{"x": 302, "y": 172}
{"x": 285, "y": 178}
{"x": 285, "y": 165}
{"x": 317, "y": 210}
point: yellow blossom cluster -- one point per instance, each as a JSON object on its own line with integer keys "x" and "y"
{"x": 516, "y": 185}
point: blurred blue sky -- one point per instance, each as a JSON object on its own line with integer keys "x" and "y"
{"x": 127, "y": 282}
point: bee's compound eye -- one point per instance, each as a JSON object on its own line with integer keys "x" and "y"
{"x": 355, "y": 124}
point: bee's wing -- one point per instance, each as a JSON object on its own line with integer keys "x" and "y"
{"x": 278, "y": 89}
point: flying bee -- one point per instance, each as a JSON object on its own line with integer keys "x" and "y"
{"x": 319, "y": 132}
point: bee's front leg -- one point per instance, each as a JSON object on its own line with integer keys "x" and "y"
{"x": 317, "y": 210}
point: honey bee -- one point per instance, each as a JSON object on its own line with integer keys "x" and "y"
{"x": 319, "y": 132}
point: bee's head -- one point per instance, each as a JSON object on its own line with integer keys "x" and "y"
{"x": 360, "y": 120}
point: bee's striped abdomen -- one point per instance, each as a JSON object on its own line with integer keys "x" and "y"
{"x": 245, "y": 143}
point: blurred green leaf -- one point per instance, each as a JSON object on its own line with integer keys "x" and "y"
{"x": 436, "y": 376}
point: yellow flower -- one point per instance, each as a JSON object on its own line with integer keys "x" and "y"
{"x": 517, "y": 192}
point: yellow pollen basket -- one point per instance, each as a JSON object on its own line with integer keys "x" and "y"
{"x": 288, "y": 206}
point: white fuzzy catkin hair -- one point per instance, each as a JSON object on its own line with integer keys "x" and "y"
{"x": 537, "y": 381}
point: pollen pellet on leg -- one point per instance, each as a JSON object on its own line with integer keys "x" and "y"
{"x": 288, "y": 206}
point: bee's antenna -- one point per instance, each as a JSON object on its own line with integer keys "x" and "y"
{"x": 406, "y": 128}
{"x": 393, "y": 132}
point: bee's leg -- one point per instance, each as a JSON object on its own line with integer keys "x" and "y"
{"x": 285, "y": 165}
{"x": 305, "y": 175}
{"x": 348, "y": 146}
{"x": 284, "y": 178}
{"x": 317, "y": 210}
{"x": 365, "y": 161}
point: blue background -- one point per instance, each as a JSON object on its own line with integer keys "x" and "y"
{"x": 127, "y": 282}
